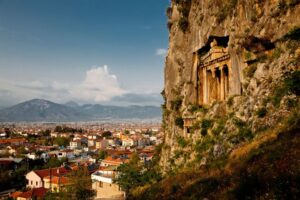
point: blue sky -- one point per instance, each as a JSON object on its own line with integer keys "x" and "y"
{"x": 89, "y": 51}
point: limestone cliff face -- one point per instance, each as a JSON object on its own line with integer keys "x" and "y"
{"x": 209, "y": 109}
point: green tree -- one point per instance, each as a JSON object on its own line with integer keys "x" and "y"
{"x": 7, "y": 132}
{"x": 52, "y": 162}
{"x": 129, "y": 177}
{"x": 58, "y": 129}
{"x": 135, "y": 174}
{"x": 79, "y": 189}
{"x": 82, "y": 185}
{"x": 45, "y": 132}
{"x": 102, "y": 155}
{"x": 61, "y": 141}
{"x": 107, "y": 134}
{"x": 22, "y": 150}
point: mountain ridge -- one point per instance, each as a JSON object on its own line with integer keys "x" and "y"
{"x": 44, "y": 110}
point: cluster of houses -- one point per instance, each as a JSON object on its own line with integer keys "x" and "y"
{"x": 102, "y": 174}
{"x": 83, "y": 150}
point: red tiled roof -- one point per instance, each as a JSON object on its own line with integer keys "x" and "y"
{"x": 58, "y": 180}
{"x": 35, "y": 192}
{"x": 101, "y": 168}
{"x": 16, "y": 194}
{"x": 12, "y": 140}
{"x": 117, "y": 152}
{"x": 54, "y": 172}
{"x": 112, "y": 161}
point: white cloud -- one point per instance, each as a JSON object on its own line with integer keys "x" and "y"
{"x": 98, "y": 86}
{"x": 161, "y": 52}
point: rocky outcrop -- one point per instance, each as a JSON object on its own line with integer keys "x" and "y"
{"x": 231, "y": 73}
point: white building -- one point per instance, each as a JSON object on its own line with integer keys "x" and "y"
{"x": 104, "y": 185}
{"x": 91, "y": 142}
{"x": 65, "y": 154}
{"x": 128, "y": 142}
{"x": 75, "y": 144}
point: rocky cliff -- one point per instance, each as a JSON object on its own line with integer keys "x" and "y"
{"x": 231, "y": 76}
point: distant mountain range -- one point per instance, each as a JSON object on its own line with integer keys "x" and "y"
{"x": 40, "y": 110}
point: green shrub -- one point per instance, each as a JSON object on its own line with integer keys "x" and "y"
{"x": 291, "y": 103}
{"x": 204, "y": 144}
{"x": 193, "y": 108}
{"x": 290, "y": 84}
{"x": 206, "y": 123}
{"x": 276, "y": 53}
{"x": 178, "y": 154}
{"x": 245, "y": 133}
{"x": 262, "y": 58}
{"x": 292, "y": 45}
{"x": 203, "y": 132}
{"x": 163, "y": 94}
{"x": 248, "y": 55}
{"x": 278, "y": 93}
{"x": 184, "y": 9}
{"x": 220, "y": 127}
{"x": 247, "y": 31}
{"x": 176, "y": 104}
{"x": 197, "y": 108}
{"x": 230, "y": 101}
{"x": 196, "y": 126}
{"x": 293, "y": 34}
{"x": 261, "y": 112}
{"x": 165, "y": 146}
{"x": 293, "y": 121}
{"x": 239, "y": 123}
{"x": 179, "y": 122}
{"x": 182, "y": 142}
{"x": 250, "y": 70}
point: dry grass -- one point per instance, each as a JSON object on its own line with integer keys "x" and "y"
{"x": 239, "y": 154}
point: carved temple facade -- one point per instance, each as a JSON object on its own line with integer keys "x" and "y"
{"x": 213, "y": 72}
{"x": 215, "y": 76}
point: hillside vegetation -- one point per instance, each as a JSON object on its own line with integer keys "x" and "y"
{"x": 247, "y": 145}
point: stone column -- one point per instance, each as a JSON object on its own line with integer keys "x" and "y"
{"x": 213, "y": 72}
{"x": 195, "y": 77}
{"x": 230, "y": 79}
{"x": 222, "y": 92}
{"x": 205, "y": 86}
{"x": 214, "y": 85}
{"x": 226, "y": 82}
